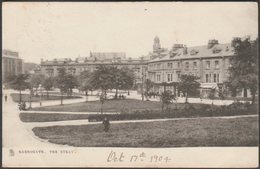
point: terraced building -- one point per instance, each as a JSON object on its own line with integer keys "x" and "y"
{"x": 208, "y": 62}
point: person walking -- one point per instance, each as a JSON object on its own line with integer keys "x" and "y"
{"x": 106, "y": 124}
{"x": 5, "y": 98}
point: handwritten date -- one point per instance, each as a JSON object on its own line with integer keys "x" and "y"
{"x": 142, "y": 157}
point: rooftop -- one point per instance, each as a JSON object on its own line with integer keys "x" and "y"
{"x": 197, "y": 52}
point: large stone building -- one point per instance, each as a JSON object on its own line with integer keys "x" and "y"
{"x": 162, "y": 66}
{"x": 208, "y": 62}
{"x": 12, "y": 64}
{"x": 90, "y": 63}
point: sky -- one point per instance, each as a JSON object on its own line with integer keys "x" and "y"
{"x": 71, "y": 29}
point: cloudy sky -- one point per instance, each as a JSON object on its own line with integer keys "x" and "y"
{"x": 68, "y": 30}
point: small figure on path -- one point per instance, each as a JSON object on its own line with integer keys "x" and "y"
{"x": 5, "y": 98}
{"x": 106, "y": 124}
{"x": 24, "y": 106}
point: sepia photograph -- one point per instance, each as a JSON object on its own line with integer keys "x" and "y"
{"x": 130, "y": 84}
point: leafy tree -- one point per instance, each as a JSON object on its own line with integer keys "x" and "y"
{"x": 36, "y": 80}
{"x": 166, "y": 98}
{"x": 122, "y": 79}
{"x": 188, "y": 85}
{"x": 102, "y": 78}
{"x": 243, "y": 70}
{"x": 84, "y": 81}
{"x": 20, "y": 83}
{"x": 48, "y": 83}
{"x": 70, "y": 82}
{"x": 60, "y": 82}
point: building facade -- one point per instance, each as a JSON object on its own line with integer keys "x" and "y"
{"x": 12, "y": 64}
{"x": 95, "y": 59}
{"x": 209, "y": 62}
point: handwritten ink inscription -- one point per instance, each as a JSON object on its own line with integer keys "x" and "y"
{"x": 142, "y": 157}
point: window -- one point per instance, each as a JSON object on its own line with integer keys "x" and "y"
{"x": 158, "y": 78}
{"x": 210, "y": 78}
{"x": 207, "y": 78}
{"x": 178, "y": 64}
{"x": 215, "y": 78}
{"x": 169, "y": 77}
{"x": 178, "y": 74}
{"x": 207, "y": 64}
{"x": 158, "y": 66}
{"x": 187, "y": 65}
{"x": 194, "y": 65}
{"x": 169, "y": 65}
{"x": 216, "y": 64}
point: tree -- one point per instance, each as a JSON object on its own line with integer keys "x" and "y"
{"x": 148, "y": 85}
{"x": 122, "y": 79}
{"x": 102, "y": 79}
{"x": 36, "y": 80}
{"x": 84, "y": 81}
{"x": 60, "y": 82}
{"x": 243, "y": 70}
{"x": 70, "y": 82}
{"x": 48, "y": 83}
{"x": 20, "y": 83}
{"x": 188, "y": 85}
{"x": 166, "y": 98}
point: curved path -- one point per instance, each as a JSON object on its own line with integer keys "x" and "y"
{"x": 15, "y": 133}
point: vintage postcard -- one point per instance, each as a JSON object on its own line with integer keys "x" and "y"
{"x": 130, "y": 84}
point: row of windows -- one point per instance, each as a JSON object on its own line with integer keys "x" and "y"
{"x": 187, "y": 65}
{"x": 160, "y": 65}
{"x": 208, "y": 78}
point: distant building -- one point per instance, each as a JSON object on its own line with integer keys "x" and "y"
{"x": 90, "y": 63}
{"x": 12, "y": 64}
{"x": 29, "y": 68}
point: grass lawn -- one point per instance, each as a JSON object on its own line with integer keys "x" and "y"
{"x": 46, "y": 117}
{"x": 110, "y": 106}
{"x": 26, "y": 97}
{"x": 182, "y": 133}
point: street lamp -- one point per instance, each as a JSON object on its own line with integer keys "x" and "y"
{"x": 40, "y": 87}
{"x": 142, "y": 87}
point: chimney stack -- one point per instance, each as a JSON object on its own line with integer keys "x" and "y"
{"x": 212, "y": 42}
{"x": 185, "y": 50}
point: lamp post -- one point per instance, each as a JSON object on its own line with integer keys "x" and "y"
{"x": 40, "y": 87}
{"x": 61, "y": 91}
{"x": 220, "y": 86}
{"x": 30, "y": 106}
{"x": 220, "y": 93}
{"x": 142, "y": 87}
